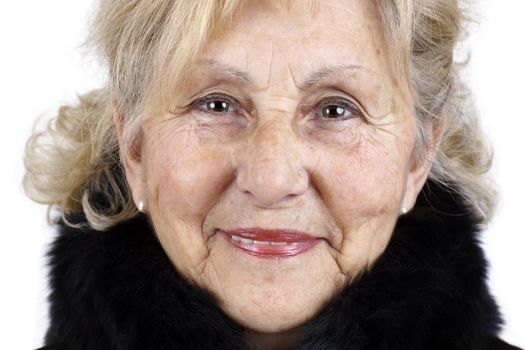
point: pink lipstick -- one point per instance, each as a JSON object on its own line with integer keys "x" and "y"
{"x": 271, "y": 243}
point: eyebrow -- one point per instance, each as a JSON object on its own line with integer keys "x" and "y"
{"x": 311, "y": 79}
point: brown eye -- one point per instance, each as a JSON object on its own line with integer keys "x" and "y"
{"x": 334, "y": 111}
{"x": 338, "y": 109}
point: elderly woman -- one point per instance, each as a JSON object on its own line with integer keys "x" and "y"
{"x": 269, "y": 175}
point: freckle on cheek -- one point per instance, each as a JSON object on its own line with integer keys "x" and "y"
{"x": 384, "y": 209}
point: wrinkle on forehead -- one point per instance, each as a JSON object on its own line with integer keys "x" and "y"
{"x": 276, "y": 79}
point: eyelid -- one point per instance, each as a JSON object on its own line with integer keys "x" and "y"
{"x": 337, "y": 99}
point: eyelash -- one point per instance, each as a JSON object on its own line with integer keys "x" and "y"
{"x": 327, "y": 102}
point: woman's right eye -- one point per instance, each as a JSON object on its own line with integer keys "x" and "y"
{"x": 217, "y": 104}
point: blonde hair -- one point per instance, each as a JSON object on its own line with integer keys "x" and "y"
{"x": 149, "y": 46}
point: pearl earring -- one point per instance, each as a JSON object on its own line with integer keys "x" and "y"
{"x": 142, "y": 207}
{"x": 404, "y": 210}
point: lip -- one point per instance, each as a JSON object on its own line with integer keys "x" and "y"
{"x": 297, "y": 242}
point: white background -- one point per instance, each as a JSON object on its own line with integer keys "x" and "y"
{"x": 41, "y": 67}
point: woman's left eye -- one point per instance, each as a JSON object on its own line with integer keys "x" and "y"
{"x": 337, "y": 110}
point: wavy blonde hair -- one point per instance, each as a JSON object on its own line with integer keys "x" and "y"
{"x": 74, "y": 164}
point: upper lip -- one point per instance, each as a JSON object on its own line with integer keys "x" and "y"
{"x": 272, "y": 234}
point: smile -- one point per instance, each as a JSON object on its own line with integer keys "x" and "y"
{"x": 270, "y": 243}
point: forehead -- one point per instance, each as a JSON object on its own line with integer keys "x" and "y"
{"x": 266, "y": 39}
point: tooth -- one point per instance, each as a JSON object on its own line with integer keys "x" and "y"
{"x": 251, "y": 241}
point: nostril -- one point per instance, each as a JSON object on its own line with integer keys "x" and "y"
{"x": 273, "y": 202}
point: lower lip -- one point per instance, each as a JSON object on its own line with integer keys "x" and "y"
{"x": 273, "y": 251}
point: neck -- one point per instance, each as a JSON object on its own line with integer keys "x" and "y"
{"x": 278, "y": 341}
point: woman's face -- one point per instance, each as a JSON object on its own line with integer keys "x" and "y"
{"x": 293, "y": 131}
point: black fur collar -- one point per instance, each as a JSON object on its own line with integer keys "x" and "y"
{"x": 118, "y": 290}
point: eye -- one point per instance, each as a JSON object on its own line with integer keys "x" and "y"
{"x": 216, "y": 104}
{"x": 337, "y": 109}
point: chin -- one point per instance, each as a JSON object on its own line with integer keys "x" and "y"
{"x": 272, "y": 317}
{"x": 275, "y": 324}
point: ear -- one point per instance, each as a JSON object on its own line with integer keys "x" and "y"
{"x": 419, "y": 170}
{"x": 130, "y": 154}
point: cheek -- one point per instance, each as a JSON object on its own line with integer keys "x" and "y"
{"x": 364, "y": 181}
{"x": 185, "y": 175}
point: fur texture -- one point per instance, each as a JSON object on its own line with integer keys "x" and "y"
{"x": 118, "y": 290}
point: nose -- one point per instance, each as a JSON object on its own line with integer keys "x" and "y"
{"x": 272, "y": 173}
